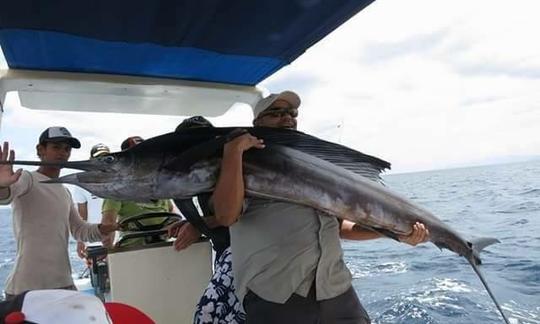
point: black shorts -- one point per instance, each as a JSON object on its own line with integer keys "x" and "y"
{"x": 343, "y": 309}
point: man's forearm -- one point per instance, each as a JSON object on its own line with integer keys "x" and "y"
{"x": 352, "y": 231}
{"x": 81, "y": 230}
{"x": 211, "y": 221}
{"x": 83, "y": 211}
{"x": 109, "y": 217}
{"x": 228, "y": 196}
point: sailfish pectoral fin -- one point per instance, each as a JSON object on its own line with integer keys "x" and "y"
{"x": 382, "y": 231}
{"x": 386, "y": 233}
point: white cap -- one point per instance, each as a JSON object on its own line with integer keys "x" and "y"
{"x": 63, "y": 306}
{"x": 291, "y": 97}
{"x": 59, "y": 306}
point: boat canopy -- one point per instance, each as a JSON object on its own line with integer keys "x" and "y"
{"x": 170, "y": 44}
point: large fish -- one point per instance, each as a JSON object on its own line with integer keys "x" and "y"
{"x": 293, "y": 167}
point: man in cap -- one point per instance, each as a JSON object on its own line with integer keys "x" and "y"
{"x": 287, "y": 258}
{"x": 88, "y": 204}
{"x": 98, "y": 150}
{"x": 113, "y": 210}
{"x": 277, "y": 110}
{"x": 193, "y": 122}
{"x": 218, "y": 303}
{"x": 130, "y": 142}
{"x": 43, "y": 217}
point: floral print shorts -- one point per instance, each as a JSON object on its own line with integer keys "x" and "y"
{"x": 219, "y": 303}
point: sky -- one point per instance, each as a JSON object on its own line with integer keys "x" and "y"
{"x": 423, "y": 84}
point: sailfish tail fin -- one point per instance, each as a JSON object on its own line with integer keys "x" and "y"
{"x": 477, "y": 245}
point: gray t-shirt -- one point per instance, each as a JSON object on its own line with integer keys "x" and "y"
{"x": 280, "y": 248}
{"x": 43, "y": 217}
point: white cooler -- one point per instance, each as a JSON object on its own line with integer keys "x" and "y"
{"x": 162, "y": 282}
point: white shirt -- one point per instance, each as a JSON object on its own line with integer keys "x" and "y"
{"x": 93, "y": 204}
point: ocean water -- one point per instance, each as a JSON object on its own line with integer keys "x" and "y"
{"x": 401, "y": 284}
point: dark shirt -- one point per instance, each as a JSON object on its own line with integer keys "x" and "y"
{"x": 219, "y": 236}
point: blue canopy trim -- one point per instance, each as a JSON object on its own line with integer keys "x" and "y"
{"x": 235, "y": 42}
{"x": 134, "y": 59}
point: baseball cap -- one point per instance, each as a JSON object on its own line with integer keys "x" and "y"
{"x": 130, "y": 142}
{"x": 193, "y": 122}
{"x": 99, "y": 149}
{"x": 58, "y": 134}
{"x": 289, "y": 96}
{"x": 69, "y": 306}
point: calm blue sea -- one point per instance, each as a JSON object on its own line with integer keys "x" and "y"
{"x": 402, "y": 284}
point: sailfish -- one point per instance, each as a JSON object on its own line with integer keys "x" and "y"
{"x": 293, "y": 167}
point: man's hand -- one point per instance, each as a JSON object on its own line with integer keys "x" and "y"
{"x": 107, "y": 234}
{"x": 420, "y": 234}
{"x": 81, "y": 250}
{"x": 185, "y": 233}
{"x": 172, "y": 230}
{"x": 7, "y": 176}
{"x": 243, "y": 143}
{"x": 107, "y": 240}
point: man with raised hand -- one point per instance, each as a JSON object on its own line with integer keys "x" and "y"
{"x": 43, "y": 216}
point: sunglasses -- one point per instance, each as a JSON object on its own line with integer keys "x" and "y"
{"x": 280, "y": 112}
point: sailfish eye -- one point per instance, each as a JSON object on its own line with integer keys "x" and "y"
{"x": 108, "y": 159}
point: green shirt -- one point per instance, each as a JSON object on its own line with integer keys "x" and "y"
{"x": 125, "y": 209}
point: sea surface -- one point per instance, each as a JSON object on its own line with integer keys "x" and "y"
{"x": 401, "y": 284}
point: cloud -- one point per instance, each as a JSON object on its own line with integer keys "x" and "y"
{"x": 379, "y": 52}
{"x": 499, "y": 70}
{"x": 427, "y": 84}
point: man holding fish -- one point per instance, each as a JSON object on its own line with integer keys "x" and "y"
{"x": 287, "y": 258}
{"x": 285, "y": 243}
